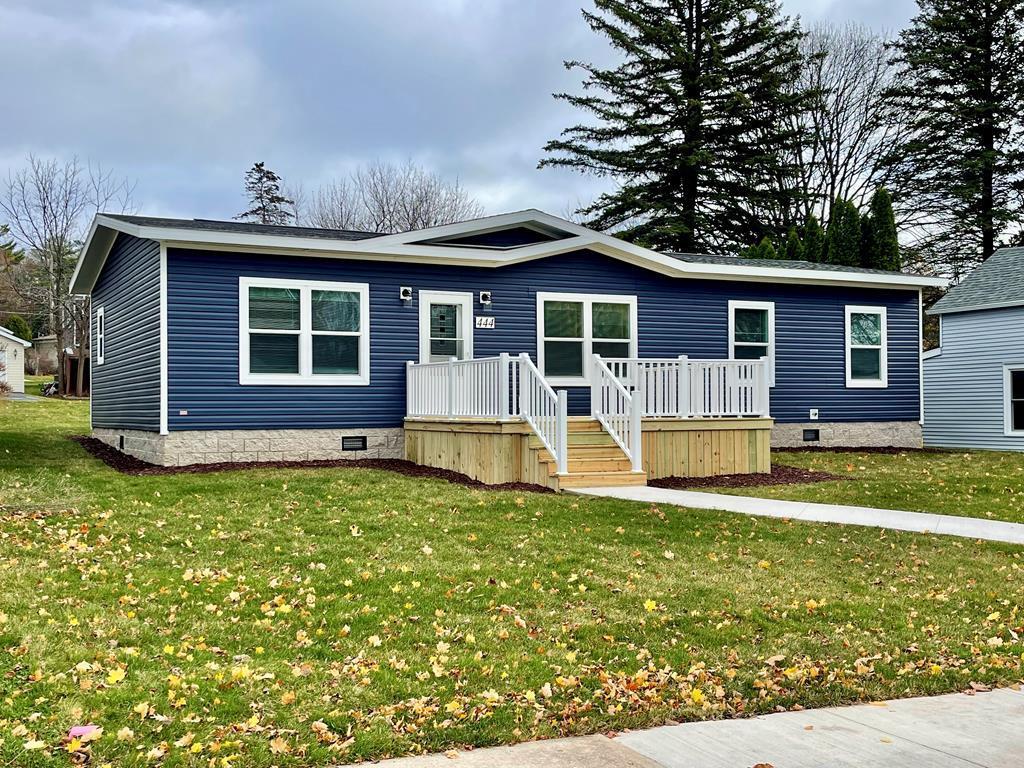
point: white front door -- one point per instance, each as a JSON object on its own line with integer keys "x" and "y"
{"x": 3, "y": 365}
{"x": 446, "y": 326}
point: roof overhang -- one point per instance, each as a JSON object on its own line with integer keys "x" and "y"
{"x": 5, "y": 334}
{"x": 409, "y": 247}
{"x": 938, "y": 310}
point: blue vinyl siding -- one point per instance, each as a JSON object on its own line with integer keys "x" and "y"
{"x": 676, "y": 316}
{"x": 126, "y": 388}
{"x": 963, "y": 391}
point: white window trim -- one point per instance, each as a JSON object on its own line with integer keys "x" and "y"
{"x": 588, "y": 300}
{"x": 305, "y": 377}
{"x": 880, "y": 383}
{"x": 1008, "y": 429}
{"x": 101, "y": 336}
{"x": 426, "y": 298}
{"x": 768, "y": 305}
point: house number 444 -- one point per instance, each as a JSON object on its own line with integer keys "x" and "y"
{"x": 485, "y": 322}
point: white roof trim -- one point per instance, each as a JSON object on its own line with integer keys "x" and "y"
{"x": 4, "y": 333}
{"x": 404, "y": 248}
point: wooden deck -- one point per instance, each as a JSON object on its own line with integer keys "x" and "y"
{"x": 495, "y": 451}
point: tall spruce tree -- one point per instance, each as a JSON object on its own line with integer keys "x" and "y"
{"x": 266, "y": 201}
{"x": 842, "y": 239}
{"x": 693, "y": 123}
{"x": 880, "y": 247}
{"x": 813, "y": 240}
{"x": 963, "y": 82}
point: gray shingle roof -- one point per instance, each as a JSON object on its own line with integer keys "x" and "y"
{"x": 702, "y": 258}
{"x": 244, "y": 227}
{"x": 998, "y": 282}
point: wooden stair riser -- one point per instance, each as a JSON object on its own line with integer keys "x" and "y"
{"x": 588, "y": 479}
{"x": 593, "y": 465}
{"x": 579, "y": 438}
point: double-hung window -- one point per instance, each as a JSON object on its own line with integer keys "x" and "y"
{"x": 573, "y": 326}
{"x": 303, "y": 332}
{"x": 752, "y": 332}
{"x": 101, "y": 336}
{"x": 1013, "y": 399}
{"x": 867, "y": 347}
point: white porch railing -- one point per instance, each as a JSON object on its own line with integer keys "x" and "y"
{"x": 619, "y": 411}
{"x": 500, "y": 387}
{"x": 683, "y": 388}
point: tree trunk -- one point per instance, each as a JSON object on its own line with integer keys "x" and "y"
{"x": 988, "y": 130}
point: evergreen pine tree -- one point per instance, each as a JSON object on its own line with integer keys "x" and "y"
{"x": 266, "y": 201}
{"x": 963, "y": 85}
{"x": 881, "y": 248}
{"x": 17, "y": 325}
{"x": 696, "y": 122}
{"x": 814, "y": 240}
{"x": 842, "y": 239}
{"x": 765, "y": 249}
{"x": 794, "y": 246}
{"x": 867, "y": 225}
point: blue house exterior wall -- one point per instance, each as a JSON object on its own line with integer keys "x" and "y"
{"x": 676, "y": 316}
{"x": 126, "y": 387}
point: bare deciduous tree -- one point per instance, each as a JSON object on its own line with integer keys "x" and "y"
{"x": 383, "y": 197}
{"x": 48, "y": 205}
{"x": 851, "y": 125}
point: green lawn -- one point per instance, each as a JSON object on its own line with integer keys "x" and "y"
{"x": 301, "y": 617}
{"x": 986, "y": 484}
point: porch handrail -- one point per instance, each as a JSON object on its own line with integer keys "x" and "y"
{"x": 619, "y": 411}
{"x": 684, "y": 387}
{"x": 478, "y": 388}
{"x": 546, "y": 411}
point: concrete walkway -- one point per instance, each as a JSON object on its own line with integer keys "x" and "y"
{"x": 953, "y": 731}
{"x": 919, "y": 522}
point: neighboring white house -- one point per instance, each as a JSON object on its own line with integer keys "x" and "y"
{"x": 974, "y": 381}
{"x": 12, "y": 359}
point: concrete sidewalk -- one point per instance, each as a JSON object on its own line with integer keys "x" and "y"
{"x": 952, "y": 731}
{"x": 893, "y": 519}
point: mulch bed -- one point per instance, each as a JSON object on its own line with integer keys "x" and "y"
{"x": 883, "y": 450}
{"x": 780, "y": 475}
{"x": 130, "y": 465}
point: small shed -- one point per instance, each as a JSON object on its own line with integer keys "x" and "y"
{"x": 12, "y": 360}
{"x": 974, "y": 381}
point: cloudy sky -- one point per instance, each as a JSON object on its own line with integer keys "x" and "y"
{"x": 184, "y": 96}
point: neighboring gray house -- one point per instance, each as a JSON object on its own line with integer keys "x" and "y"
{"x": 974, "y": 381}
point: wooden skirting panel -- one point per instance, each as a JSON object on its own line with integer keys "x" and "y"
{"x": 492, "y": 452}
{"x": 706, "y": 447}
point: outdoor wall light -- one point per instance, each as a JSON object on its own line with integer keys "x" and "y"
{"x": 485, "y": 298}
{"x": 405, "y": 293}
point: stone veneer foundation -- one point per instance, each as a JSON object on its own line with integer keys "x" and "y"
{"x": 858, "y": 434}
{"x": 215, "y": 446}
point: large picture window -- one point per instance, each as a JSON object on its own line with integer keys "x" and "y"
{"x": 1013, "y": 397}
{"x": 752, "y": 332}
{"x": 573, "y": 326}
{"x": 866, "y": 347}
{"x": 303, "y": 332}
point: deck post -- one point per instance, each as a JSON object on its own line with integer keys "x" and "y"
{"x": 503, "y": 386}
{"x": 409, "y": 397}
{"x": 563, "y": 433}
{"x": 450, "y": 370}
{"x": 683, "y": 384}
{"x": 594, "y": 377}
{"x": 766, "y": 385}
{"x": 636, "y": 430}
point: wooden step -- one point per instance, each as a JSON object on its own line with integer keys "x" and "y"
{"x": 606, "y": 464}
{"x": 584, "y": 424}
{"x": 588, "y": 479}
{"x": 586, "y": 437}
{"x": 585, "y": 452}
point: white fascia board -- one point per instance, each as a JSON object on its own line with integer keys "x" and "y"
{"x": 4, "y": 333}
{"x": 400, "y": 248}
{"x": 977, "y": 307}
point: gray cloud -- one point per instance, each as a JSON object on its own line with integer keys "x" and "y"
{"x": 185, "y": 95}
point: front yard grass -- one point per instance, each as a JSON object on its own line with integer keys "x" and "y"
{"x": 988, "y": 484}
{"x": 301, "y": 617}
